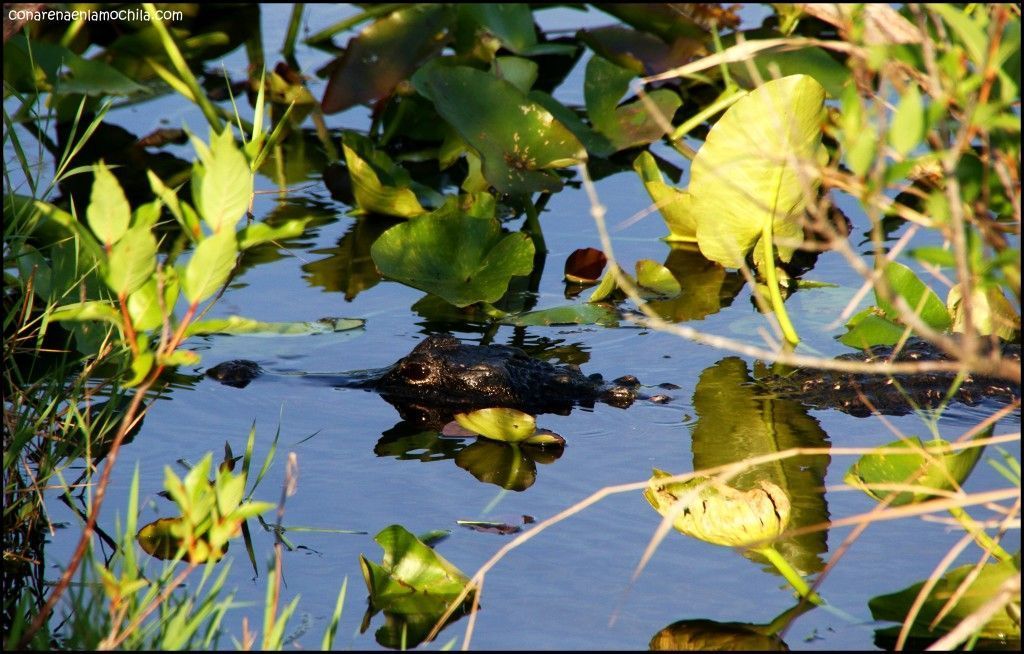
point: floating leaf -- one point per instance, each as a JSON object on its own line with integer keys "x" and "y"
{"x": 919, "y": 297}
{"x": 642, "y": 53}
{"x": 980, "y": 591}
{"x": 379, "y": 185}
{"x": 517, "y": 139}
{"x": 656, "y": 278}
{"x": 719, "y": 514}
{"x": 632, "y": 124}
{"x": 931, "y": 465}
{"x": 411, "y": 578}
{"x": 240, "y": 325}
{"x": 576, "y": 314}
{"x": 676, "y": 206}
{"x": 866, "y": 329}
{"x": 584, "y": 265}
{"x": 510, "y": 22}
{"x": 108, "y": 212}
{"x": 462, "y": 258}
{"x": 259, "y": 233}
{"x": 499, "y": 424}
{"x": 991, "y": 312}
{"x": 757, "y": 164}
{"x": 385, "y": 53}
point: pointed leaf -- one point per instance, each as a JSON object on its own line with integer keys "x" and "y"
{"x": 210, "y": 266}
{"x": 676, "y": 206}
{"x": 131, "y": 262}
{"x": 108, "y": 213}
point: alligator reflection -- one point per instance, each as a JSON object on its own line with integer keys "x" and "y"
{"x": 513, "y": 467}
{"x": 735, "y": 422}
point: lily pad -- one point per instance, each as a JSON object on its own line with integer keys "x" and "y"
{"x": 931, "y": 465}
{"x": 240, "y": 325}
{"x": 981, "y": 590}
{"x": 379, "y": 185}
{"x": 757, "y": 165}
{"x": 499, "y": 424}
{"x": 462, "y": 258}
{"x": 385, "y": 53}
{"x": 676, "y": 206}
{"x": 517, "y": 139}
{"x": 634, "y": 123}
{"x": 511, "y": 467}
{"x": 719, "y": 514}
{"x": 584, "y": 265}
{"x": 919, "y": 297}
{"x": 411, "y": 578}
{"x": 575, "y": 314}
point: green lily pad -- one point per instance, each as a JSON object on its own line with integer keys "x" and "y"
{"x": 719, "y": 514}
{"x": 930, "y": 465}
{"x": 744, "y": 174}
{"x": 1002, "y": 625}
{"x": 576, "y": 314}
{"x": 517, "y": 139}
{"x": 634, "y": 123}
{"x": 462, "y": 258}
{"x": 385, "y": 53}
{"x": 641, "y": 52}
{"x": 866, "y": 329}
{"x": 240, "y": 325}
{"x": 991, "y": 312}
{"x": 411, "y": 578}
{"x": 379, "y": 185}
{"x": 919, "y": 297}
{"x": 499, "y": 424}
{"x": 652, "y": 280}
{"x": 676, "y": 206}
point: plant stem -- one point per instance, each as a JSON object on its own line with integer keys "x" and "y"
{"x": 982, "y": 538}
{"x": 288, "y": 49}
{"x": 773, "y": 284}
{"x": 532, "y": 227}
{"x": 791, "y": 575}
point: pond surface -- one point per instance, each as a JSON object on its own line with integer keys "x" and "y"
{"x": 572, "y": 586}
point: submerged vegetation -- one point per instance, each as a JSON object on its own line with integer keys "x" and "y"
{"x": 115, "y": 250}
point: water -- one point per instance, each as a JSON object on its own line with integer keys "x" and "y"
{"x": 570, "y": 587}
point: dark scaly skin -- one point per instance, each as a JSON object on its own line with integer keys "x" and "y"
{"x": 891, "y": 395}
{"x": 442, "y": 376}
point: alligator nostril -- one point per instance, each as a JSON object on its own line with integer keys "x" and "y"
{"x": 415, "y": 372}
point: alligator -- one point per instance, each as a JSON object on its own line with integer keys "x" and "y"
{"x": 862, "y": 394}
{"x": 443, "y": 376}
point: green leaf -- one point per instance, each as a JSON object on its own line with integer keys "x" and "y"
{"x": 511, "y": 23}
{"x": 509, "y": 466}
{"x": 576, "y": 314}
{"x": 384, "y": 54}
{"x": 141, "y": 365}
{"x": 931, "y": 466}
{"x": 676, "y": 206}
{"x": 240, "y": 325}
{"x": 411, "y": 577}
{"x": 132, "y": 261}
{"x": 499, "y": 424}
{"x": 757, "y": 165}
{"x": 517, "y": 139}
{"x": 919, "y": 297}
{"x": 632, "y": 124}
{"x": 222, "y": 185}
{"x": 180, "y": 358}
{"x": 720, "y": 514}
{"x": 144, "y": 305}
{"x": 979, "y": 592}
{"x": 210, "y": 266}
{"x": 991, "y": 312}
{"x": 87, "y": 311}
{"x": 259, "y": 233}
{"x": 656, "y": 278}
{"x": 108, "y": 212}
{"x": 463, "y": 259}
{"x": 907, "y": 128}
{"x": 521, "y": 72}
{"x": 378, "y": 184}
{"x": 866, "y": 329}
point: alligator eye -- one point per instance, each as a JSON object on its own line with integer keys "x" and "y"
{"x": 415, "y": 372}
